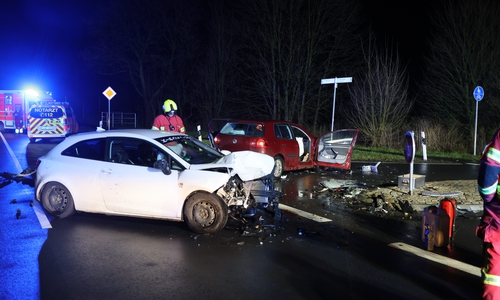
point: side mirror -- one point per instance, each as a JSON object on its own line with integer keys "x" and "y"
{"x": 163, "y": 165}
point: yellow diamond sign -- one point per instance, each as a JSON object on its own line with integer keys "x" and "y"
{"x": 109, "y": 93}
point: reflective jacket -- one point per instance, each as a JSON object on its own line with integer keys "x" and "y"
{"x": 167, "y": 123}
{"x": 489, "y": 173}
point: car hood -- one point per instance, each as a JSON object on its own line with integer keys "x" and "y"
{"x": 248, "y": 165}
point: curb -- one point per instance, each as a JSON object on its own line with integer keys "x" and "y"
{"x": 475, "y": 208}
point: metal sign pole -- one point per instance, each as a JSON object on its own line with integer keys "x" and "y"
{"x": 475, "y": 129}
{"x": 333, "y": 106}
{"x": 109, "y": 114}
{"x": 335, "y": 81}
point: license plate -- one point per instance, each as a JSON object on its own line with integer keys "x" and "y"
{"x": 46, "y": 128}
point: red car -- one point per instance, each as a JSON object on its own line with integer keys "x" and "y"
{"x": 291, "y": 145}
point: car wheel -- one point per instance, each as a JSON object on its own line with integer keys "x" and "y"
{"x": 205, "y": 213}
{"x": 278, "y": 167}
{"x": 57, "y": 200}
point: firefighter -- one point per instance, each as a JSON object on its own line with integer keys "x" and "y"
{"x": 169, "y": 120}
{"x": 18, "y": 120}
{"x": 489, "y": 227}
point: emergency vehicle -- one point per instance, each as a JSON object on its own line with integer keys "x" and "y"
{"x": 14, "y": 105}
{"x": 51, "y": 119}
{"x": 12, "y": 109}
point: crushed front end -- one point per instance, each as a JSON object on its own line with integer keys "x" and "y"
{"x": 253, "y": 205}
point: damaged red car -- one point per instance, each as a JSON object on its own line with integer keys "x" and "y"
{"x": 290, "y": 144}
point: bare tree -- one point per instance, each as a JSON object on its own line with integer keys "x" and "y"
{"x": 287, "y": 47}
{"x": 152, "y": 42}
{"x": 379, "y": 96}
{"x": 214, "y": 75}
{"x": 464, "y": 54}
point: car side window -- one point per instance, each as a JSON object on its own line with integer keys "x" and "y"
{"x": 282, "y": 131}
{"x": 88, "y": 149}
{"x": 137, "y": 152}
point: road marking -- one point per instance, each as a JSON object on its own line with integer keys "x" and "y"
{"x": 40, "y": 214}
{"x": 438, "y": 258}
{"x": 14, "y": 158}
{"x": 303, "y": 213}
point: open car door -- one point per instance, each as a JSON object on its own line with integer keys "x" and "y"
{"x": 334, "y": 149}
{"x": 214, "y": 127}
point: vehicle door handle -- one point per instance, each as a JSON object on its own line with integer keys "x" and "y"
{"x": 108, "y": 171}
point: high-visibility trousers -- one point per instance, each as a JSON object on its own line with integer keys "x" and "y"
{"x": 491, "y": 271}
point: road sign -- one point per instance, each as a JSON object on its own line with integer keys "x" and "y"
{"x": 109, "y": 93}
{"x": 409, "y": 147}
{"x": 335, "y": 81}
{"x": 478, "y": 93}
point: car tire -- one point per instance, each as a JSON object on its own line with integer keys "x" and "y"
{"x": 205, "y": 213}
{"x": 57, "y": 200}
{"x": 278, "y": 167}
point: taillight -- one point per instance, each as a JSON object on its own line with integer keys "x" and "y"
{"x": 216, "y": 140}
{"x": 259, "y": 143}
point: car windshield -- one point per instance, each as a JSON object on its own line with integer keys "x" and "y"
{"x": 190, "y": 149}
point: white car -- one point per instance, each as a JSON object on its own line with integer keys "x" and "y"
{"x": 153, "y": 174}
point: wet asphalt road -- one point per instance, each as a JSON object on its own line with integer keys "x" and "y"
{"x": 99, "y": 257}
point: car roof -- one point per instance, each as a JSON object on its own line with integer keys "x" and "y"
{"x": 265, "y": 122}
{"x": 149, "y": 133}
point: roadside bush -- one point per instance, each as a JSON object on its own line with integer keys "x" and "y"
{"x": 441, "y": 137}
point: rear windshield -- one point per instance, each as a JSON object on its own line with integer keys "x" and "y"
{"x": 46, "y": 112}
{"x": 248, "y": 129}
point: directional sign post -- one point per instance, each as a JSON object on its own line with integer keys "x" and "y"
{"x": 109, "y": 93}
{"x": 335, "y": 81}
{"x": 478, "y": 96}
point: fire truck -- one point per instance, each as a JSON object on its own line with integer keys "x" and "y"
{"x": 14, "y": 107}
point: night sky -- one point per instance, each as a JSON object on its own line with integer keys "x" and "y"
{"x": 42, "y": 41}
{"x": 41, "y": 44}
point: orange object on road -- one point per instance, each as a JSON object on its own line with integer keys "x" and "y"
{"x": 450, "y": 207}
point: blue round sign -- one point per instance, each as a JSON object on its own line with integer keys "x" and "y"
{"x": 409, "y": 147}
{"x": 478, "y": 93}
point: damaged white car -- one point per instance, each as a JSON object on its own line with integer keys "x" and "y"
{"x": 153, "y": 174}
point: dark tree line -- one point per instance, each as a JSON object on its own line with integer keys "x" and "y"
{"x": 266, "y": 59}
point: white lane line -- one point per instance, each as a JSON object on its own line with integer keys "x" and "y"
{"x": 14, "y": 158}
{"x": 438, "y": 258}
{"x": 303, "y": 213}
{"x": 40, "y": 214}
